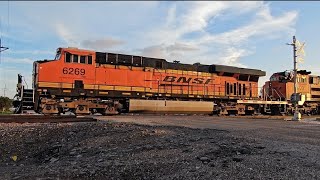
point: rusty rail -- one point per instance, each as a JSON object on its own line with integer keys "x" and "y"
{"x": 43, "y": 119}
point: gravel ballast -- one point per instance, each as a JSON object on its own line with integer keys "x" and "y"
{"x": 117, "y": 150}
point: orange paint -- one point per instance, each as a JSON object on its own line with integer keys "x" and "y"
{"x": 179, "y": 82}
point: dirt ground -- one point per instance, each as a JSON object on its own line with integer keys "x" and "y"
{"x": 161, "y": 147}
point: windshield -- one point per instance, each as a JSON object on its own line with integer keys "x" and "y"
{"x": 58, "y": 54}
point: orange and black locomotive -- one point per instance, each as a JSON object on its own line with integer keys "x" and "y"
{"x": 84, "y": 82}
{"x": 280, "y": 87}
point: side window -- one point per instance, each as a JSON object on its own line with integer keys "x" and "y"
{"x": 227, "y": 87}
{"x": 235, "y": 88}
{"x": 82, "y": 59}
{"x": 75, "y": 58}
{"x": 89, "y": 59}
{"x": 68, "y": 57}
{"x": 239, "y": 90}
{"x": 244, "y": 89}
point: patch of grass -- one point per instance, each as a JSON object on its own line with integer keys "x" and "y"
{"x": 5, "y": 112}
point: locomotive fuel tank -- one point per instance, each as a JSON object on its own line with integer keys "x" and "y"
{"x": 170, "y": 106}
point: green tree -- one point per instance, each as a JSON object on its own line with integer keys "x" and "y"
{"x": 5, "y": 103}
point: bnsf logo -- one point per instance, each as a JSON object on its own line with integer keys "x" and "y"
{"x": 186, "y": 80}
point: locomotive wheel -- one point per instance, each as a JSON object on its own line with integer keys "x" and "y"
{"x": 110, "y": 111}
{"x": 82, "y": 110}
{"x": 50, "y": 109}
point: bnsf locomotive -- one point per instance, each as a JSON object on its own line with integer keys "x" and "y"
{"x": 84, "y": 82}
{"x": 280, "y": 87}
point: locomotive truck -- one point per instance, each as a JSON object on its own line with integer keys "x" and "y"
{"x": 87, "y": 82}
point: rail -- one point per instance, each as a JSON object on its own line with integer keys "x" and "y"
{"x": 14, "y": 118}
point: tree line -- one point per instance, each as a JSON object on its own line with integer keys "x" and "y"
{"x": 5, "y": 103}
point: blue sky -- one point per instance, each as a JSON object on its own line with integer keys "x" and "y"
{"x": 246, "y": 34}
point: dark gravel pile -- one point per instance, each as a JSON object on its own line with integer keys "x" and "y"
{"x": 106, "y": 150}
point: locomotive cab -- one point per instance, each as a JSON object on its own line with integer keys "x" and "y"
{"x": 68, "y": 72}
{"x": 70, "y": 65}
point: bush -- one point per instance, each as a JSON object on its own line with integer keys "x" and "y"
{"x": 5, "y": 103}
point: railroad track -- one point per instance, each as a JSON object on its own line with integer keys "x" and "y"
{"x": 37, "y": 118}
{"x": 285, "y": 117}
{"x": 22, "y": 118}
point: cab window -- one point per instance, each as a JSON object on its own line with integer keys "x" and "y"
{"x": 82, "y": 59}
{"x": 75, "y": 58}
{"x": 68, "y": 57}
{"x": 89, "y": 59}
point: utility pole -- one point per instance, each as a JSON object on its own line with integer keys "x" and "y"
{"x": 297, "y": 114}
{"x": 295, "y": 85}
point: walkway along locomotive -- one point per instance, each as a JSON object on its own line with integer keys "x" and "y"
{"x": 84, "y": 82}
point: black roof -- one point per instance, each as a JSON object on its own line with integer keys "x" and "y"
{"x": 237, "y": 70}
{"x": 131, "y": 60}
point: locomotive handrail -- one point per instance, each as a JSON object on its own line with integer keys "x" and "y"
{"x": 282, "y": 95}
{"x": 273, "y": 89}
{"x": 267, "y": 95}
